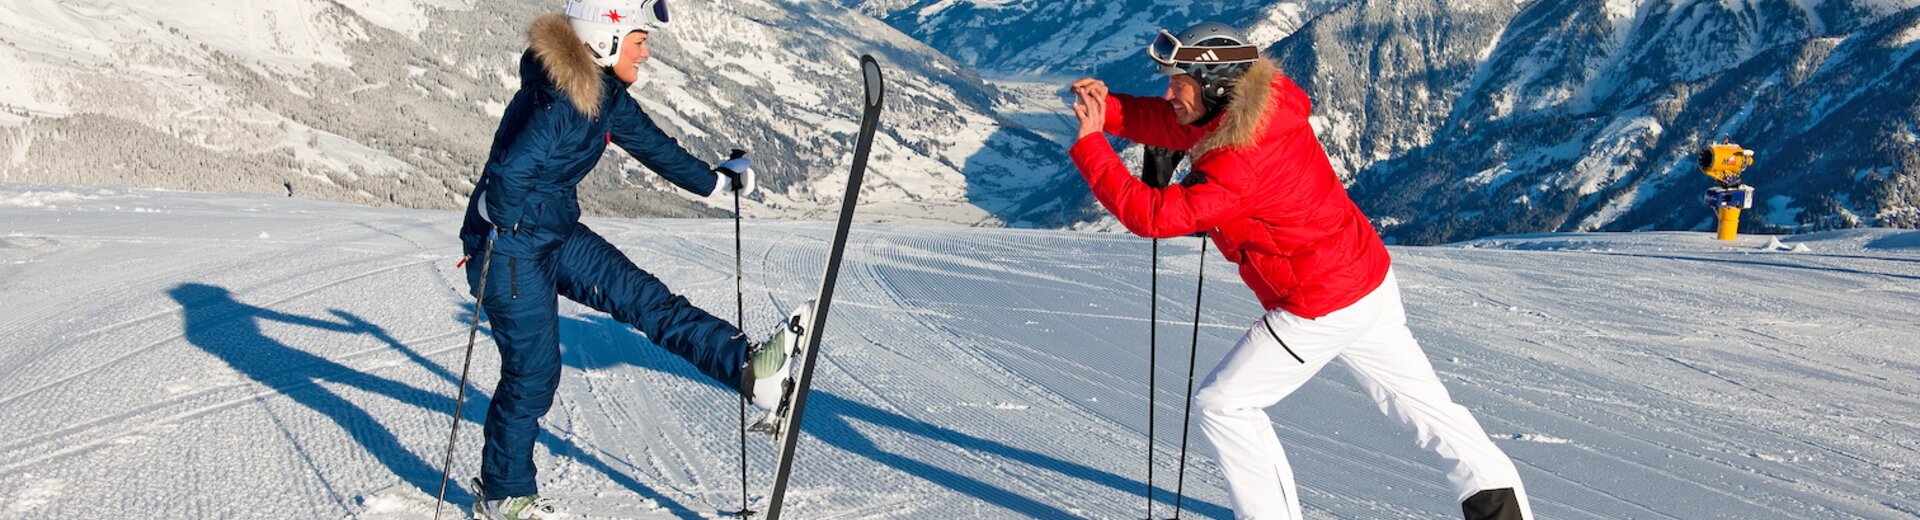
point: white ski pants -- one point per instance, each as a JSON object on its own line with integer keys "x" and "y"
{"x": 1282, "y": 351}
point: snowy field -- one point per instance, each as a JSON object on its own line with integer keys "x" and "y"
{"x": 168, "y": 354}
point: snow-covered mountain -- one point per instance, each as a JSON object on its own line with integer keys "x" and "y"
{"x": 1463, "y": 118}
{"x": 395, "y": 102}
{"x": 1072, "y": 38}
{"x": 177, "y": 354}
{"x": 1495, "y": 117}
{"x": 1031, "y": 49}
{"x": 1450, "y": 118}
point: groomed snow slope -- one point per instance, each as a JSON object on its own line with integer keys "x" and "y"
{"x": 174, "y": 354}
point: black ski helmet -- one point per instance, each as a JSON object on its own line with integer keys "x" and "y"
{"x": 1212, "y": 53}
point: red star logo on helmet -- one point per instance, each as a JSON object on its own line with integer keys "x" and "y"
{"x": 614, "y": 16}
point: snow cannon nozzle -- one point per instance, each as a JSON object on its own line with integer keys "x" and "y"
{"x": 1725, "y": 162}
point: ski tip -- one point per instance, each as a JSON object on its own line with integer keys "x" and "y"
{"x": 876, "y": 89}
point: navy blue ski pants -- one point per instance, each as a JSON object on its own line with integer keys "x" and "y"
{"x": 522, "y": 310}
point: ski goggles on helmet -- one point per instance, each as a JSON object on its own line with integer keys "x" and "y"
{"x": 651, "y": 15}
{"x": 1169, "y": 51}
{"x": 659, "y": 11}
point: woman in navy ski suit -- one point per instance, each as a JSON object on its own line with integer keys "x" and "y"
{"x": 568, "y": 109}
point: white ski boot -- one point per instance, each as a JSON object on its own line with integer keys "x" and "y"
{"x": 772, "y": 366}
{"x": 514, "y": 508}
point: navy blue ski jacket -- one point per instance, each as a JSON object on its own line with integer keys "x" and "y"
{"x": 551, "y": 136}
{"x": 553, "y": 132}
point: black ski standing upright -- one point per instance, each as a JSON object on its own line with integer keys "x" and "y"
{"x": 790, "y": 432}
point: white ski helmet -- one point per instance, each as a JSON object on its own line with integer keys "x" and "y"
{"x": 601, "y": 24}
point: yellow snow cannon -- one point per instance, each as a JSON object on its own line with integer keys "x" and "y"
{"x": 1725, "y": 162}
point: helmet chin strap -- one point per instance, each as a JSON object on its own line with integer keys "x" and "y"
{"x": 1213, "y": 100}
{"x": 1206, "y": 118}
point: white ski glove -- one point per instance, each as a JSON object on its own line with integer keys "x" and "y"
{"x": 736, "y": 174}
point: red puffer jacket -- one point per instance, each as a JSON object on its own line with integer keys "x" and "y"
{"x": 1270, "y": 200}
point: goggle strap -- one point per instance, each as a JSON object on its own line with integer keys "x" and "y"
{"x": 1207, "y": 55}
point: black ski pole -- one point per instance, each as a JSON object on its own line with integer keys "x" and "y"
{"x": 740, "y": 320}
{"x": 1153, "y": 360}
{"x": 460, "y": 399}
{"x": 1180, "y": 489}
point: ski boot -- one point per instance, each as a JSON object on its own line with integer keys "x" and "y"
{"x": 1496, "y": 504}
{"x": 771, "y": 369}
{"x": 513, "y": 508}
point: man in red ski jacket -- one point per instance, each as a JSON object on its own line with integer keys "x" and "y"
{"x": 1267, "y": 195}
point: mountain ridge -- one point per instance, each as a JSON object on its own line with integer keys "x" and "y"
{"x": 1449, "y": 119}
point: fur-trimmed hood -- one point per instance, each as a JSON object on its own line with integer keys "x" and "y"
{"x": 1249, "y": 112}
{"x": 564, "y": 63}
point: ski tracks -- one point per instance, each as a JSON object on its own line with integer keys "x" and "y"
{"x": 1037, "y": 411}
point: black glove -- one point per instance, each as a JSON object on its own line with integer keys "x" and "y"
{"x": 1157, "y": 166}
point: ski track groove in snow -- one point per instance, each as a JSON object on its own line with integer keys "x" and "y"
{"x": 75, "y": 430}
{"x": 143, "y": 349}
{"x": 1730, "y": 422}
{"x": 947, "y": 247}
{"x": 872, "y": 280}
{"x": 109, "y": 292}
{"x": 1654, "y": 510}
{"x": 1802, "y": 360}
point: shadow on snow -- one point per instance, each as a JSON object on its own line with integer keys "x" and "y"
{"x": 231, "y": 330}
{"x": 830, "y": 418}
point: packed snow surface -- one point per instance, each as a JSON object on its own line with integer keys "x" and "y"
{"x": 172, "y": 354}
